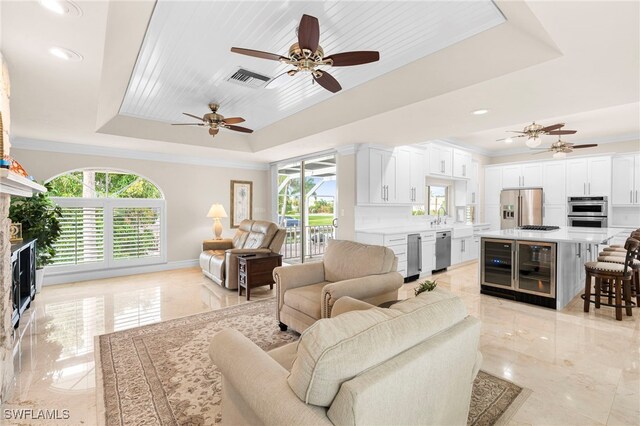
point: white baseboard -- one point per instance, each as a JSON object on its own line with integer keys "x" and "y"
{"x": 70, "y": 277}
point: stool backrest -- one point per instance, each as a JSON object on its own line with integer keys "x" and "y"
{"x": 631, "y": 245}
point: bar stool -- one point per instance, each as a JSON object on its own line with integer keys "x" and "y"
{"x": 619, "y": 277}
{"x": 620, "y": 247}
{"x": 635, "y": 282}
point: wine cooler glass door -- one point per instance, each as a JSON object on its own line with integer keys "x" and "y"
{"x": 497, "y": 263}
{"x": 536, "y": 268}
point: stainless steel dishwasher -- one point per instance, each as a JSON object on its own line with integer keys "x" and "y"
{"x": 443, "y": 250}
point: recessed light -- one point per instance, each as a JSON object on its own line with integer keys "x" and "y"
{"x": 480, "y": 111}
{"x": 62, "y": 7}
{"x": 66, "y": 54}
{"x": 508, "y": 140}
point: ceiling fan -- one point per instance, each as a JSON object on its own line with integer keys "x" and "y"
{"x": 561, "y": 148}
{"x": 533, "y": 132}
{"x": 216, "y": 121}
{"x": 307, "y": 56}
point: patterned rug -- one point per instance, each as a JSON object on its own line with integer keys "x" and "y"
{"x": 161, "y": 374}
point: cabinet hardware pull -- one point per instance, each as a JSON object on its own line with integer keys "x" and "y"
{"x": 631, "y": 196}
{"x": 589, "y": 188}
{"x": 636, "y": 195}
{"x": 584, "y": 188}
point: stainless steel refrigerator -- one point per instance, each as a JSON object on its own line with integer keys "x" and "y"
{"x": 519, "y": 207}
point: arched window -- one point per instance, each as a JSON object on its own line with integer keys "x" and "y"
{"x": 110, "y": 219}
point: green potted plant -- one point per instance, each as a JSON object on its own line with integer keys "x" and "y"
{"x": 40, "y": 219}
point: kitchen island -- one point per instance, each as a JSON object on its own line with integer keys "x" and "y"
{"x": 544, "y": 268}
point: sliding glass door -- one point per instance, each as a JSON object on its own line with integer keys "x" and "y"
{"x": 307, "y": 207}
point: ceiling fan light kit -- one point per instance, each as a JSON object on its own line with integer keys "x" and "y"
{"x": 533, "y": 142}
{"x": 307, "y": 56}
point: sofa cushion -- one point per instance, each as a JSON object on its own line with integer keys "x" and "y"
{"x": 335, "y": 350}
{"x": 284, "y": 355}
{"x": 306, "y": 299}
{"x": 345, "y": 260}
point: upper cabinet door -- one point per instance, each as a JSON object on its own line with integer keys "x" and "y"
{"x": 446, "y": 155}
{"x": 531, "y": 175}
{"x": 390, "y": 177}
{"x": 512, "y": 176}
{"x": 461, "y": 164}
{"x": 472, "y": 184}
{"x": 435, "y": 163}
{"x": 636, "y": 173}
{"x": 417, "y": 177}
{"x": 623, "y": 188}
{"x": 599, "y": 183}
{"x": 492, "y": 185}
{"x": 403, "y": 176}
{"x": 377, "y": 192}
{"x": 553, "y": 177}
{"x": 577, "y": 177}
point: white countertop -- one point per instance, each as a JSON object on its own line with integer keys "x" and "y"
{"x": 563, "y": 235}
{"x": 410, "y": 229}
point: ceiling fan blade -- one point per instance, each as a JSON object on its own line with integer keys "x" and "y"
{"x": 257, "y": 54}
{"x": 213, "y": 131}
{"x": 587, "y": 145}
{"x": 309, "y": 33}
{"x": 278, "y": 81}
{"x": 192, "y": 116}
{"x": 347, "y": 59}
{"x": 233, "y": 120}
{"x": 562, "y": 132}
{"x": 541, "y": 151}
{"x": 516, "y": 131}
{"x": 187, "y": 124}
{"x": 327, "y": 81}
{"x": 552, "y": 127}
{"x": 240, "y": 129}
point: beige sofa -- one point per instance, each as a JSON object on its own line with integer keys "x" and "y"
{"x": 413, "y": 363}
{"x": 308, "y": 291}
{"x": 219, "y": 258}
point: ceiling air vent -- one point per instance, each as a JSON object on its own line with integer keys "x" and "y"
{"x": 248, "y": 78}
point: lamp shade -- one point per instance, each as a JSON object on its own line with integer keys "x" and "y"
{"x": 217, "y": 210}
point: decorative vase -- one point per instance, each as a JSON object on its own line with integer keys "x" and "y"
{"x": 39, "y": 279}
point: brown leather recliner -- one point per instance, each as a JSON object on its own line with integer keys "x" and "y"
{"x": 219, "y": 258}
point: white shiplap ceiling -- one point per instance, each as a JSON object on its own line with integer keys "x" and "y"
{"x": 185, "y": 59}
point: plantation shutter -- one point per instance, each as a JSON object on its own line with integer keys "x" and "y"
{"x": 82, "y": 237}
{"x": 136, "y": 232}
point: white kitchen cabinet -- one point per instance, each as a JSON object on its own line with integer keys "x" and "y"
{"x": 554, "y": 214}
{"x": 403, "y": 176}
{"x": 428, "y": 252}
{"x": 625, "y": 189}
{"x": 416, "y": 173}
{"x": 522, "y": 176}
{"x": 472, "y": 184}
{"x": 376, "y": 176}
{"x": 589, "y": 176}
{"x": 462, "y": 250}
{"x": 440, "y": 160}
{"x": 461, "y": 164}
{"x": 553, "y": 178}
{"x": 492, "y": 185}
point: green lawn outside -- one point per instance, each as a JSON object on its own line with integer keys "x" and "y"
{"x": 317, "y": 219}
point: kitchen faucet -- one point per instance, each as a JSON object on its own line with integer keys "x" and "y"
{"x": 444, "y": 211}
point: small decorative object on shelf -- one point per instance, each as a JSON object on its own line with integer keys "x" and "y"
{"x": 5, "y": 161}
{"x": 425, "y": 285}
{"x": 18, "y": 169}
{"x": 15, "y": 232}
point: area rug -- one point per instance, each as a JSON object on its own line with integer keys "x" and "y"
{"x": 161, "y": 374}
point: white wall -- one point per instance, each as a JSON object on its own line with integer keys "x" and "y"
{"x": 346, "y": 194}
{"x": 189, "y": 190}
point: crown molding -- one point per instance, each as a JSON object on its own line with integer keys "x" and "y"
{"x": 81, "y": 149}
{"x": 347, "y": 149}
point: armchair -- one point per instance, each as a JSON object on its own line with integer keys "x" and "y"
{"x": 307, "y": 292}
{"x": 219, "y": 258}
{"x": 364, "y": 366}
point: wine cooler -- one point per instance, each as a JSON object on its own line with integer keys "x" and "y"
{"x": 519, "y": 270}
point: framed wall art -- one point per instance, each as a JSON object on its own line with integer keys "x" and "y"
{"x": 241, "y": 201}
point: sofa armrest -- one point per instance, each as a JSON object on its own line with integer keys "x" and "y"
{"x": 261, "y": 381}
{"x": 359, "y": 288}
{"x": 348, "y": 304}
{"x": 288, "y": 277}
{"x": 217, "y": 244}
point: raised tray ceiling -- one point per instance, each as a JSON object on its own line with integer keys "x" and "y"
{"x": 185, "y": 59}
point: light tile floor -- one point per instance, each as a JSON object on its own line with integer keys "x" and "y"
{"x": 583, "y": 368}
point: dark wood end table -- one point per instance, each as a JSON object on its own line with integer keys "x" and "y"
{"x": 256, "y": 270}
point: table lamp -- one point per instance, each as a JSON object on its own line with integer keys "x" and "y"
{"x": 216, "y": 212}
